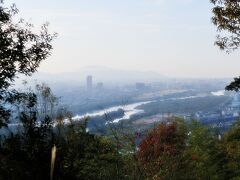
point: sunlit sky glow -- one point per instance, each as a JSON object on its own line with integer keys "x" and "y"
{"x": 174, "y": 38}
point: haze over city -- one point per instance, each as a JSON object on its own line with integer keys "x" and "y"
{"x": 119, "y": 89}
{"x": 172, "y": 38}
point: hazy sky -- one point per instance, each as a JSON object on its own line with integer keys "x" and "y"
{"x": 172, "y": 37}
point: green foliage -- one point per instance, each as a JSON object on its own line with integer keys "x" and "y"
{"x": 231, "y": 147}
{"x": 203, "y": 159}
{"x": 80, "y": 155}
{"x": 21, "y": 52}
{"x": 226, "y": 18}
{"x": 125, "y": 142}
{"x": 85, "y": 156}
{"x": 180, "y": 150}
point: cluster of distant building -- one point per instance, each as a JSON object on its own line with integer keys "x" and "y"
{"x": 90, "y": 87}
{"x": 224, "y": 117}
{"x": 99, "y": 86}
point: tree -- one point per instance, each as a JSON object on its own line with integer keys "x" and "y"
{"x": 21, "y": 52}
{"x": 227, "y": 19}
{"x": 161, "y": 151}
{"x": 26, "y": 153}
{"x": 231, "y": 148}
{"x": 183, "y": 150}
{"x": 203, "y": 158}
{"x": 234, "y": 85}
{"x": 226, "y": 16}
{"x": 82, "y": 155}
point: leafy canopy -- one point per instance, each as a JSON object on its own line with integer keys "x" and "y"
{"x": 226, "y": 17}
{"x": 21, "y": 52}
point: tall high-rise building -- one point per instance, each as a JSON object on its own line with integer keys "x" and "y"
{"x": 89, "y": 83}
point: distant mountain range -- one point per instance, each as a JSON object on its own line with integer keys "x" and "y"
{"x": 99, "y": 74}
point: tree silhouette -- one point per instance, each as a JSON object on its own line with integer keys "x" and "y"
{"x": 227, "y": 19}
{"x": 21, "y": 51}
{"x": 226, "y": 16}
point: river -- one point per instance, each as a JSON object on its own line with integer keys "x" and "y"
{"x": 129, "y": 110}
{"x": 132, "y": 109}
